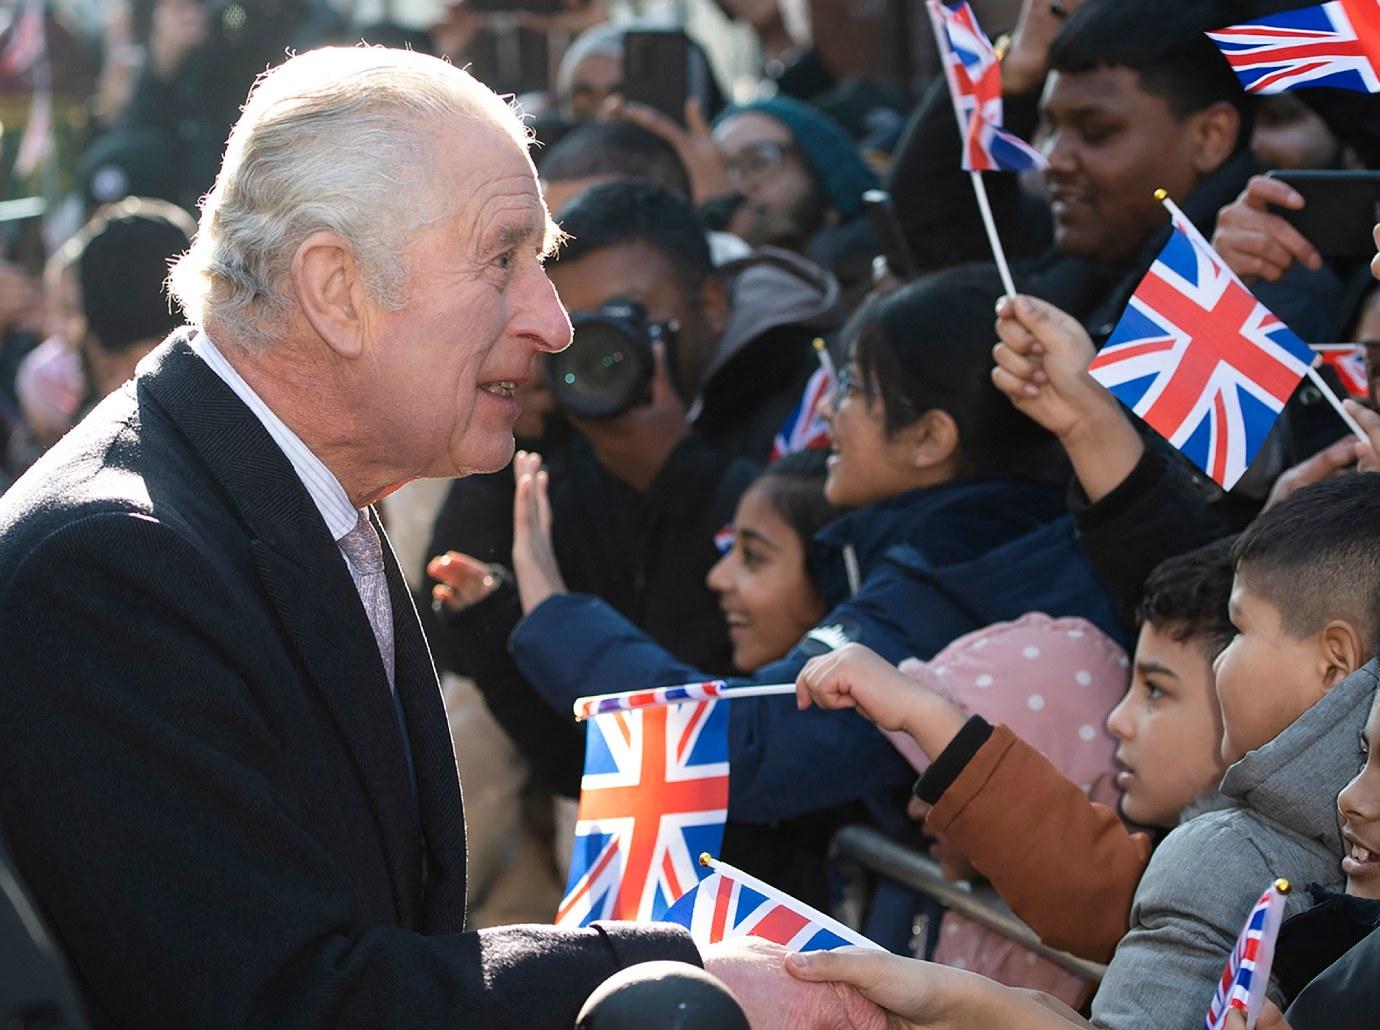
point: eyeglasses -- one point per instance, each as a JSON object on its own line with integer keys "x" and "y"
{"x": 756, "y": 161}
{"x": 850, "y": 381}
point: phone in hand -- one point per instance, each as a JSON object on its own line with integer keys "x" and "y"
{"x": 1340, "y": 211}
{"x": 659, "y": 71}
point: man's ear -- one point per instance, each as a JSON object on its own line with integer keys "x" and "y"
{"x": 714, "y": 304}
{"x": 1215, "y": 131}
{"x": 326, "y": 281}
{"x": 1342, "y": 651}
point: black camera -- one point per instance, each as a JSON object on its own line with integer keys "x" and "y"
{"x": 608, "y": 367}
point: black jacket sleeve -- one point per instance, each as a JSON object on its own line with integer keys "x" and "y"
{"x": 1159, "y": 510}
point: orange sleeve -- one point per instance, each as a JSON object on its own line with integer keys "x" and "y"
{"x": 1067, "y": 866}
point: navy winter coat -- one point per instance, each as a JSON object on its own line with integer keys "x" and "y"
{"x": 929, "y": 565}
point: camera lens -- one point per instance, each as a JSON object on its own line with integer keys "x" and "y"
{"x": 603, "y": 372}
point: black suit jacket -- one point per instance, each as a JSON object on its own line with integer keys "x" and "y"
{"x": 203, "y": 775}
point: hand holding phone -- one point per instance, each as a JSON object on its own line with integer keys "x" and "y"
{"x": 1339, "y": 210}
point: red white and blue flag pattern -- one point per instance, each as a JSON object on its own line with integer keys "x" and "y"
{"x": 1200, "y": 360}
{"x": 599, "y": 704}
{"x": 1334, "y": 44}
{"x": 729, "y": 903}
{"x": 974, "y": 74}
{"x": 805, "y": 428}
{"x": 1348, "y": 360}
{"x": 654, "y": 797}
{"x": 1243, "y": 982}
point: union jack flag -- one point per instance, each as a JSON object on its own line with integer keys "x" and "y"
{"x": 1348, "y": 360}
{"x": 1243, "y": 982}
{"x": 654, "y": 795}
{"x": 1203, "y": 362}
{"x": 805, "y": 428}
{"x": 730, "y": 903}
{"x": 1333, "y": 44}
{"x": 725, "y": 537}
{"x": 601, "y": 704}
{"x": 974, "y": 74}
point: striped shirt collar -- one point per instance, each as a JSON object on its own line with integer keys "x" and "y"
{"x": 326, "y": 492}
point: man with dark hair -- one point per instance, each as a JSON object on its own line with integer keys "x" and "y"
{"x": 595, "y": 152}
{"x": 122, "y": 263}
{"x": 637, "y": 498}
{"x": 1135, "y": 98}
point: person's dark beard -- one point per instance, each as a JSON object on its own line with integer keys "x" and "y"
{"x": 790, "y": 228}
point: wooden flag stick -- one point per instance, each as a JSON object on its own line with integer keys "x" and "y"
{"x": 993, "y": 240}
{"x": 1336, "y": 403}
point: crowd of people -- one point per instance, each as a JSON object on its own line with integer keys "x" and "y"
{"x": 733, "y": 393}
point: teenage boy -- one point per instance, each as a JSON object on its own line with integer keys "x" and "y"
{"x": 1075, "y": 873}
{"x": 1295, "y": 687}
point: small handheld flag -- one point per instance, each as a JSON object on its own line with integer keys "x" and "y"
{"x": 1334, "y": 44}
{"x": 1243, "y": 982}
{"x": 730, "y": 904}
{"x": 805, "y": 428}
{"x": 654, "y": 795}
{"x": 652, "y": 697}
{"x": 974, "y": 73}
{"x": 1196, "y": 356}
{"x": 1348, "y": 360}
{"x": 725, "y": 538}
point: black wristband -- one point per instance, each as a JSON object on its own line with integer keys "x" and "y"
{"x": 940, "y": 776}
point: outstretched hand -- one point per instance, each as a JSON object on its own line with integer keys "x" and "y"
{"x": 925, "y": 996}
{"x": 461, "y": 581}
{"x": 693, "y": 143}
{"x": 755, "y": 971}
{"x": 857, "y": 677}
{"x": 534, "y": 556}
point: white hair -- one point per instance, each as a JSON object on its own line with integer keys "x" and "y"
{"x": 338, "y": 139}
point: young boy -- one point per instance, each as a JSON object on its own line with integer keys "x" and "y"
{"x": 1294, "y": 699}
{"x": 1075, "y": 872}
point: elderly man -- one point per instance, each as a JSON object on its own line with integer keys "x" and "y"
{"x": 227, "y": 773}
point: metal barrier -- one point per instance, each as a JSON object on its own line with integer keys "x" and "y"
{"x": 865, "y": 847}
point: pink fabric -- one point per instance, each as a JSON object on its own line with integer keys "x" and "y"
{"x": 49, "y": 383}
{"x": 1053, "y": 682}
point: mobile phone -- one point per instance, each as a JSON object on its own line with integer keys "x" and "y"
{"x": 658, "y": 71}
{"x": 1340, "y": 210}
{"x": 895, "y": 249}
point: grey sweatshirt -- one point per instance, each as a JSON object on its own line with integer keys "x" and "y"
{"x": 1207, "y": 874}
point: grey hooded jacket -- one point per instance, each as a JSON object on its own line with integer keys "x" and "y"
{"x": 1207, "y": 874}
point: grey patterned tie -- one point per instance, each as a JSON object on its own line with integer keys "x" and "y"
{"x": 365, "y": 553}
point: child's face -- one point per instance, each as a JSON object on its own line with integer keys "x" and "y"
{"x": 1168, "y": 729}
{"x": 764, "y": 589}
{"x": 1358, "y": 810}
{"x": 1266, "y": 677}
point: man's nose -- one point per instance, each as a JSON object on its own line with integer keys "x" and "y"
{"x": 542, "y": 317}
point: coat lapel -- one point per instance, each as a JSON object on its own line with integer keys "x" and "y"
{"x": 310, "y": 589}
{"x": 433, "y": 757}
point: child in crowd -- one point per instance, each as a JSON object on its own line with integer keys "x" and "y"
{"x": 952, "y": 530}
{"x": 768, "y": 598}
{"x": 1295, "y": 686}
{"x": 1073, "y": 877}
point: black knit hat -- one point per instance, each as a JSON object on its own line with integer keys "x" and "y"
{"x": 122, "y": 269}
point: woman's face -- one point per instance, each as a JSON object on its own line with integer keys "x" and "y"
{"x": 764, "y": 590}
{"x": 868, "y": 464}
{"x": 1358, "y": 811}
